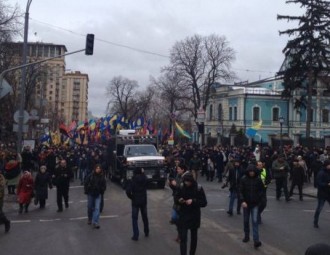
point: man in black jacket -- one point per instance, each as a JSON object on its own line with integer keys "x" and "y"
{"x": 61, "y": 179}
{"x": 251, "y": 190}
{"x": 137, "y": 191}
{"x": 94, "y": 186}
{"x": 190, "y": 197}
{"x": 323, "y": 190}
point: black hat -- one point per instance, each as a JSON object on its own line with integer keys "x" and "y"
{"x": 188, "y": 177}
{"x": 318, "y": 249}
{"x": 251, "y": 167}
{"x": 138, "y": 170}
{"x": 326, "y": 163}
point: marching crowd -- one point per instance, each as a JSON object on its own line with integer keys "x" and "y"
{"x": 246, "y": 171}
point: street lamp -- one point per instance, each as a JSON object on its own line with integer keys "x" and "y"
{"x": 22, "y": 85}
{"x": 281, "y": 120}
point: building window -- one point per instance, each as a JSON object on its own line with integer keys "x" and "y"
{"x": 230, "y": 113}
{"x": 276, "y": 113}
{"x": 219, "y": 112}
{"x": 211, "y": 112}
{"x": 325, "y": 116}
{"x": 256, "y": 114}
{"x": 235, "y": 113}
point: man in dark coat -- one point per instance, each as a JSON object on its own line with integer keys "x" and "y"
{"x": 3, "y": 218}
{"x": 297, "y": 178}
{"x": 251, "y": 190}
{"x": 234, "y": 177}
{"x": 323, "y": 190}
{"x": 61, "y": 179}
{"x": 190, "y": 197}
{"x": 137, "y": 191}
{"x": 41, "y": 184}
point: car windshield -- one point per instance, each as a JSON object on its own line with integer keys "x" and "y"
{"x": 145, "y": 150}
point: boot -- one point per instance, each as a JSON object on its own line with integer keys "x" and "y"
{"x": 26, "y": 208}
{"x": 246, "y": 239}
{"x": 7, "y": 226}
{"x": 20, "y": 208}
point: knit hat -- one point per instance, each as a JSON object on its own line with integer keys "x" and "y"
{"x": 188, "y": 177}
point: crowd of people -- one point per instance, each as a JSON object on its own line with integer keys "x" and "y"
{"x": 247, "y": 171}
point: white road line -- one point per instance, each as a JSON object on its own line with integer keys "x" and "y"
{"x": 309, "y": 211}
{"x": 20, "y": 221}
{"x": 50, "y": 220}
{"x": 108, "y": 216}
{"x": 217, "y": 210}
{"x": 79, "y": 218}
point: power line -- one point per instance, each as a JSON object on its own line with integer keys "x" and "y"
{"x": 135, "y": 49}
{"x": 103, "y": 40}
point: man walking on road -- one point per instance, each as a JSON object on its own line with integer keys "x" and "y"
{"x": 137, "y": 191}
{"x": 251, "y": 190}
{"x": 3, "y": 218}
{"x": 61, "y": 179}
{"x": 281, "y": 169}
{"x": 323, "y": 190}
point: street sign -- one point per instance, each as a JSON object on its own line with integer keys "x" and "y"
{"x": 5, "y": 88}
{"x": 200, "y": 115}
{"x": 25, "y": 128}
{"x": 26, "y": 117}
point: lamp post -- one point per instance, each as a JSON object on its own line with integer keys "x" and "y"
{"x": 22, "y": 85}
{"x": 281, "y": 120}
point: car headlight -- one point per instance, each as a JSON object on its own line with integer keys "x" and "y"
{"x": 131, "y": 163}
{"x": 160, "y": 162}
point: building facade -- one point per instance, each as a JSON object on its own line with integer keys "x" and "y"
{"x": 74, "y": 104}
{"x": 245, "y": 106}
{"x": 57, "y": 95}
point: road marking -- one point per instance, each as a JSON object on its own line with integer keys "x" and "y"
{"x": 309, "y": 211}
{"x": 50, "y": 220}
{"x": 108, "y": 216}
{"x": 217, "y": 210}
{"x": 79, "y": 218}
{"x": 20, "y": 221}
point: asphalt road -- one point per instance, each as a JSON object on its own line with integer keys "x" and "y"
{"x": 287, "y": 226}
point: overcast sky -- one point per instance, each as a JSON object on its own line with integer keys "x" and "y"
{"x": 250, "y": 26}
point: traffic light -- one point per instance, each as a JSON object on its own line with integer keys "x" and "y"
{"x": 89, "y": 44}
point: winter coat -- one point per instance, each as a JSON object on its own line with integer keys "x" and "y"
{"x": 137, "y": 190}
{"x": 2, "y": 190}
{"x": 25, "y": 189}
{"x": 41, "y": 184}
{"x": 95, "y": 184}
{"x": 298, "y": 174}
{"x": 251, "y": 189}
{"x": 62, "y": 177}
{"x": 234, "y": 177}
{"x": 280, "y": 169}
{"x": 190, "y": 215}
{"x": 323, "y": 180}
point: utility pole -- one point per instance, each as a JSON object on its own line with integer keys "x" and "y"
{"x": 22, "y": 85}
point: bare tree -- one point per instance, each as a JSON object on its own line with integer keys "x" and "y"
{"x": 121, "y": 92}
{"x": 200, "y": 62}
{"x": 171, "y": 96}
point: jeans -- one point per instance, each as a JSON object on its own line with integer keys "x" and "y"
{"x": 234, "y": 196}
{"x": 93, "y": 208}
{"x": 82, "y": 174}
{"x": 135, "y": 217}
{"x": 320, "y": 204}
{"x": 253, "y": 212}
{"x": 183, "y": 240}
